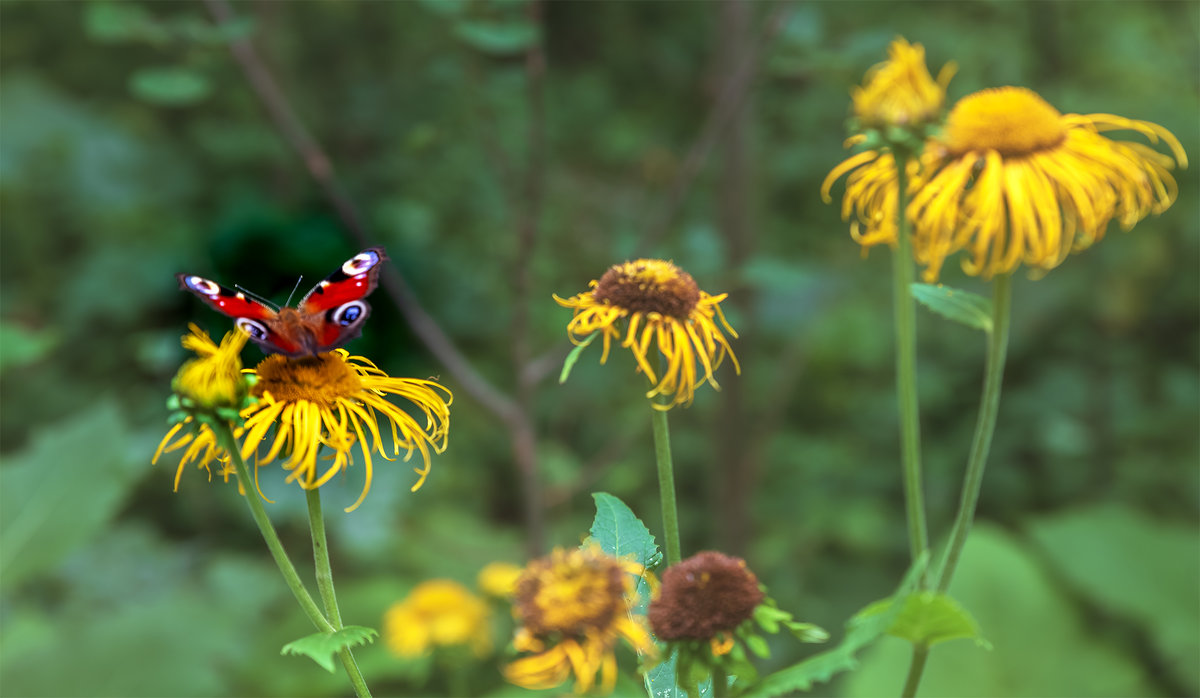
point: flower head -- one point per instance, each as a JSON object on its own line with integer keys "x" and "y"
{"x": 900, "y": 91}
{"x": 665, "y": 308}
{"x": 335, "y": 400}
{"x": 206, "y": 388}
{"x": 499, "y": 579}
{"x": 895, "y": 109}
{"x": 573, "y": 607}
{"x": 437, "y": 613}
{"x": 1013, "y": 181}
{"x": 705, "y": 597}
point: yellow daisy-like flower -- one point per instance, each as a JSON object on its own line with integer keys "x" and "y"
{"x": 573, "y": 607}
{"x": 499, "y": 579}
{"x": 897, "y": 94}
{"x": 205, "y": 388}
{"x": 900, "y": 91}
{"x": 437, "y": 613}
{"x": 332, "y": 400}
{"x": 335, "y": 400}
{"x": 666, "y": 312}
{"x": 1013, "y": 181}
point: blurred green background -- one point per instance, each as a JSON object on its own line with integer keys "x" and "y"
{"x": 504, "y": 151}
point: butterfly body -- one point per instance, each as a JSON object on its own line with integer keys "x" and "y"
{"x": 328, "y": 316}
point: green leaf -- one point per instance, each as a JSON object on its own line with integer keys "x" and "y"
{"x": 1143, "y": 569}
{"x": 970, "y": 309}
{"x": 864, "y": 628}
{"x": 620, "y": 533}
{"x": 498, "y": 38}
{"x": 807, "y": 632}
{"x": 757, "y": 645}
{"x": 20, "y": 346}
{"x": 321, "y": 647}
{"x": 60, "y": 492}
{"x": 170, "y": 86}
{"x": 573, "y": 357}
{"x": 928, "y": 618}
{"x": 660, "y": 679}
{"x": 121, "y": 21}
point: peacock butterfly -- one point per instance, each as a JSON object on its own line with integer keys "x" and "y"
{"x": 328, "y": 316}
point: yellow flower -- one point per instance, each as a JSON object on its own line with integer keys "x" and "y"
{"x": 499, "y": 579}
{"x": 332, "y": 400}
{"x": 210, "y": 386}
{"x": 1013, "y": 181}
{"x": 573, "y": 607}
{"x": 437, "y": 613}
{"x": 335, "y": 400}
{"x": 900, "y": 91}
{"x": 664, "y": 308}
{"x": 901, "y": 97}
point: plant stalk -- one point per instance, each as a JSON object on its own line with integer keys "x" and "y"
{"x": 906, "y": 373}
{"x": 324, "y": 573}
{"x": 666, "y": 484}
{"x": 985, "y": 427}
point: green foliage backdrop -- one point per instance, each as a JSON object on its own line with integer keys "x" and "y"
{"x": 133, "y": 147}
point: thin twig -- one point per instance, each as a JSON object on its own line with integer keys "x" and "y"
{"x": 729, "y": 101}
{"x": 318, "y": 165}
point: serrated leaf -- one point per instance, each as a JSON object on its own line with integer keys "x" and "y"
{"x": 170, "y": 86}
{"x": 928, "y": 618}
{"x": 498, "y": 38}
{"x": 573, "y": 357}
{"x": 321, "y": 647}
{"x": 620, "y": 533}
{"x": 864, "y": 628}
{"x": 970, "y": 309}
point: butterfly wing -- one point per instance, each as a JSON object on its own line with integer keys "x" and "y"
{"x": 334, "y": 308}
{"x": 256, "y": 319}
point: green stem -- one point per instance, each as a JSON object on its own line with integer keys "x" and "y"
{"x": 720, "y": 682}
{"x": 324, "y": 572}
{"x": 226, "y": 440}
{"x": 985, "y": 426}
{"x": 906, "y": 374}
{"x": 920, "y": 654}
{"x": 666, "y": 483}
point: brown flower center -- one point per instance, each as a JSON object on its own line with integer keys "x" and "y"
{"x": 649, "y": 286}
{"x": 706, "y": 594}
{"x": 1013, "y": 121}
{"x": 321, "y": 379}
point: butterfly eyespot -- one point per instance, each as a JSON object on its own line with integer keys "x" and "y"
{"x": 201, "y": 285}
{"x": 349, "y": 313}
{"x": 360, "y": 263}
{"x": 254, "y": 328}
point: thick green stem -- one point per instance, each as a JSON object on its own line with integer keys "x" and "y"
{"x": 324, "y": 572}
{"x": 720, "y": 683}
{"x": 225, "y": 439}
{"x": 920, "y": 654}
{"x": 906, "y": 375}
{"x": 985, "y": 426}
{"x": 666, "y": 484}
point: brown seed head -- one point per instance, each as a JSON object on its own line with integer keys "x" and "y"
{"x": 702, "y": 596}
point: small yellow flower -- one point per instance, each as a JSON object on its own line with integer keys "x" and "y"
{"x": 211, "y": 386}
{"x": 573, "y": 607}
{"x": 900, "y": 98}
{"x": 666, "y": 312}
{"x": 334, "y": 400}
{"x": 437, "y": 613}
{"x": 1013, "y": 181}
{"x": 900, "y": 91}
{"x": 499, "y": 579}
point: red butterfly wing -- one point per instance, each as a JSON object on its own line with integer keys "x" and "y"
{"x": 336, "y": 307}
{"x": 256, "y": 319}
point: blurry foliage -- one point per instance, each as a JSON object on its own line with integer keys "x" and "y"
{"x": 131, "y": 148}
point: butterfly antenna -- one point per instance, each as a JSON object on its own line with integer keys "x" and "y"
{"x": 289, "y": 300}
{"x": 256, "y": 297}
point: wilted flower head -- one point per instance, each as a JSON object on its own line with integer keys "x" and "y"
{"x": 666, "y": 312}
{"x": 1012, "y": 181}
{"x": 573, "y": 606}
{"x": 437, "y": 613}
{"x": 705, "y": 597}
